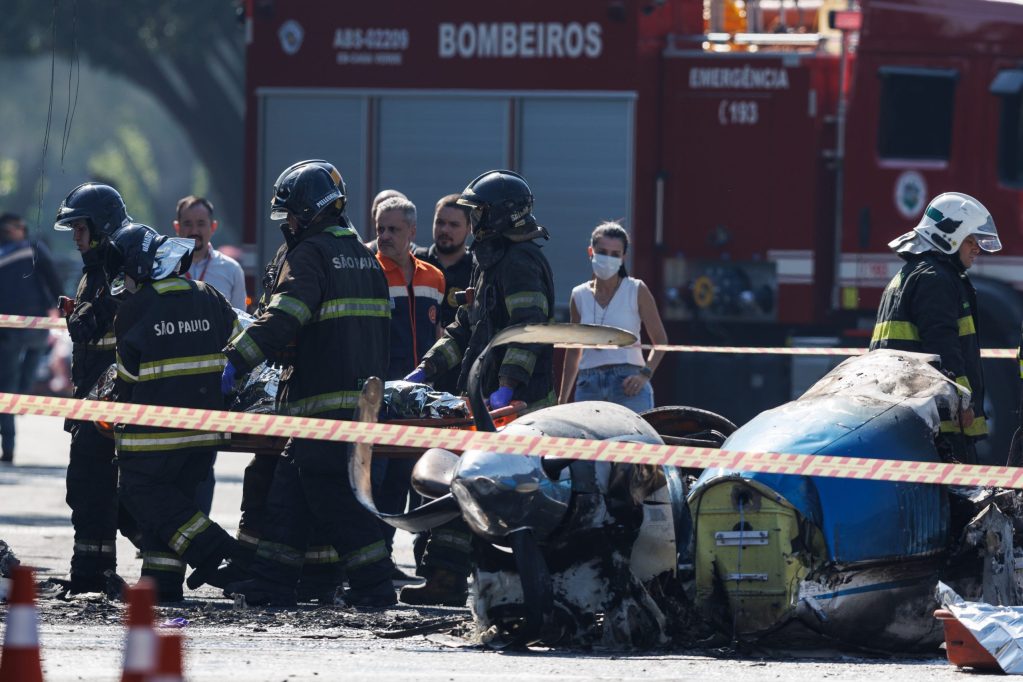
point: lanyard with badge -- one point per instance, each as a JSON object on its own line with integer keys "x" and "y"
{"x": 202, "y": 275}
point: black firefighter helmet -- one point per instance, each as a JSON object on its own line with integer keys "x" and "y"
{"x": 500, "y": 203}
{"x": 141, "y": 253}
{"x": 100, "y": 205}
{"x": 309, "y": 190}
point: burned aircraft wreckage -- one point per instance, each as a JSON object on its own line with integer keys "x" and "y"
{"x": 634, "y": 556}
{"x": 572, "y": 552}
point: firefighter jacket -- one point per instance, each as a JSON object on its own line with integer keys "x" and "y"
{"x": 518, "y": 288}
{"x": 415, "y": 311}
{"x": 92, "y": 352}
{"x": 330, "y": 302}
{"x": 930, "y": 307}
{"x": 169, "y": 336}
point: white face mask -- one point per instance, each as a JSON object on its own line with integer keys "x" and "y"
{"x": 605, "y": 267}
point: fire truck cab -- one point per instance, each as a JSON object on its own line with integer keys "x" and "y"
{"x": 762, "y": 154}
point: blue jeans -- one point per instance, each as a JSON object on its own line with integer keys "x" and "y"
{"x": 605, "y": 383}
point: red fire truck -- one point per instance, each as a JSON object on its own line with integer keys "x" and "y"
{"x": 762, "y": 153}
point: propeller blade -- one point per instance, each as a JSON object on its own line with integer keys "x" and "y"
{"x": 557, "y": 332}
{"x": 360, "y": 463}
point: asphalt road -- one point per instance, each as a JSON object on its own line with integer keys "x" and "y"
{"x": 82, "y": 638}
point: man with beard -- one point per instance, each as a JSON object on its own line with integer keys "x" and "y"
{"x": 449, "y": 254}
{"x": 195, "y": 221}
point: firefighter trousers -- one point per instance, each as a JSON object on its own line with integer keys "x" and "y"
{"x": 92, "y": 497}
{"x": 311, "y": 490}
{"x": 321, "y": 566}
{"x": 449, "y": 548}
{"x": 158, "y": 489}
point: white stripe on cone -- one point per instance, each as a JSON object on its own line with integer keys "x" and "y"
{"x": 22, "y": 627}
{"x": 140, "y": 650}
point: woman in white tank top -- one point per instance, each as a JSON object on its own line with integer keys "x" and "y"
{"x": 613, "y": 298}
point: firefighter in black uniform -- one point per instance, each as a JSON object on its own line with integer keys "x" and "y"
{"x": 170, "y": 331}
{"x": 321, "y": 570}
{"x": 93, "y": 212}
{"x": 328, "y": 323}
{"x": 513, "y": 284}
{"x": 930, "y": 306}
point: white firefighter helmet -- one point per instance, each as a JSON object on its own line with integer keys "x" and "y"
{"x": 952, "y": 217}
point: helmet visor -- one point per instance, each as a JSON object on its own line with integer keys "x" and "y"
{"x": 987, "y": 236}
{"x": 65, "y": 219}
{"x": 475, "y": 211}
{"x": 169, "y": 254}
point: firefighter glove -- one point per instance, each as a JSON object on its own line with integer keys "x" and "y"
{"x": 501, "y": 397}
{"x": 82, "y": 324}
{"x": 227, "y": 379}
{"x": 417, "y": 376}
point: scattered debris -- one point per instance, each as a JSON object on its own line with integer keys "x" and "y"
{"x": 7, "y": 560}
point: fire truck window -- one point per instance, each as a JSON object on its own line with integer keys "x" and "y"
{"x": 1010, "y": 146}
{"x": 455, "y": 137}
{"x": 1008, "y": 86}
{"x": 577, "y": 155}
{"x": 916, "y": 114}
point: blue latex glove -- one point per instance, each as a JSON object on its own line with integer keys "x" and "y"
{"x": 501, "y": 397}
{"x": 417, "y": 376}
{"x": 227, "y": 379}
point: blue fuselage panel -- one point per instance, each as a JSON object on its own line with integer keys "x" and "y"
{"x": 862, "y": 521}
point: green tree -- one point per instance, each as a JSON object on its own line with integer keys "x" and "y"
{"x": 188, "y": 54}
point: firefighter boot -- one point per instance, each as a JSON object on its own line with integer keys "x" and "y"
{"x": 216, "y": 572}
{"x": 374, "y": 596}
{"x": 442, "y": 588}
{"x": 320, "y": 582}
{"x": 217, "y": 569}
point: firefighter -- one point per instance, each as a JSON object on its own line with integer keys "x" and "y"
{"x": 330, "y": 303}
{"x": 169, "y": 334}
{"x": 513, "y": 284}
{"x": 321, "y": 569}
{"x": 930, "y": 306}
{"x": 92, "y": 212}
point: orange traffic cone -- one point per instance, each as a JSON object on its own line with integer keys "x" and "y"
{"x": 19, "y": 660}
{"x": 168, "y": 659}
{"x": 140, "y": 642}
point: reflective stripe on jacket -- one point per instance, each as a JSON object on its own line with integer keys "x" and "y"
{"x": 517, "y": 289}
{"x": 169, "y": 336}
{"x": 329, "y": 301}
{"x": 415, "y": 312}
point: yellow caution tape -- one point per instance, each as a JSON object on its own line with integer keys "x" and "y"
{"x": 25, "y": 322}
{"x": 862, "y": 468}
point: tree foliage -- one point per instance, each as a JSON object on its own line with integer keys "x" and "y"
{"x": 187, "y": 53}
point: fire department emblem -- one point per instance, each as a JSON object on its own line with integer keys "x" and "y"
{"x": 433, "y": 314}
{"x": 290, "y": 34}
{"x": 910, "y": 194}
